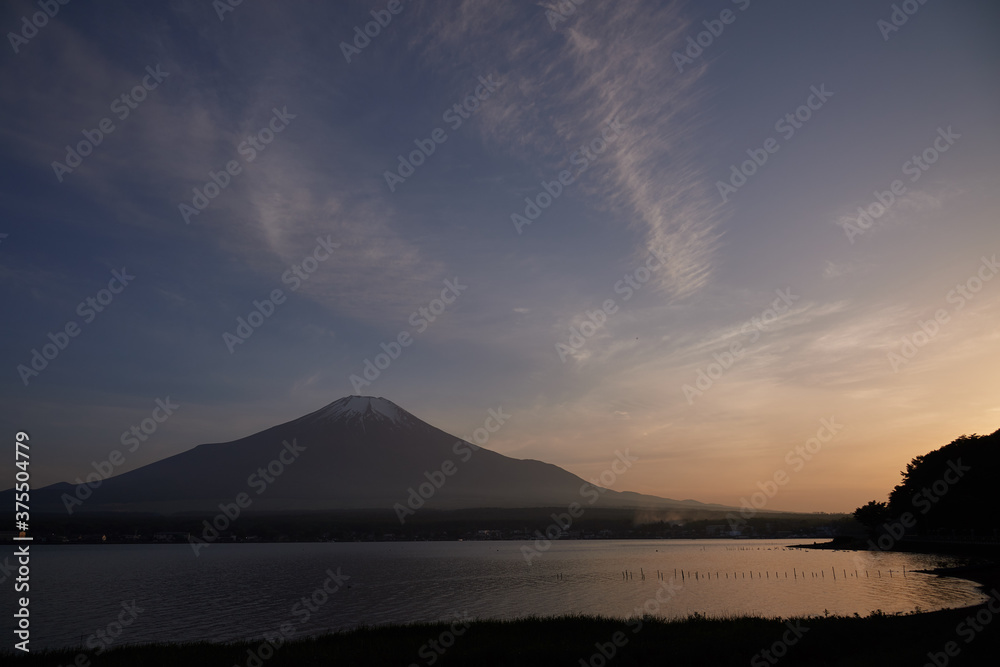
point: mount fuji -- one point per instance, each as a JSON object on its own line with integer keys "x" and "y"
{"x": 357, "y": 453}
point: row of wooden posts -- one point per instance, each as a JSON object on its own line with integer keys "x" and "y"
{"x": 684, "y": 576}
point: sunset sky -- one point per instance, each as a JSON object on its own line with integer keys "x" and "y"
{"x": 583, "y": 318}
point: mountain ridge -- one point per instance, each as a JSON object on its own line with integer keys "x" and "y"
{"x": 358, "y": 452}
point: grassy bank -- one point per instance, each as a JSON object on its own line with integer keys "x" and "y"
{"x": 874, "y": 640}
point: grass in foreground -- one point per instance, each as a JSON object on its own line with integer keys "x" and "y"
{"x": 578, "y": 640}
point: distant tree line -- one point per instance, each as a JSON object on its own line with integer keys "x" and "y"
{"x": 377, "y": 525}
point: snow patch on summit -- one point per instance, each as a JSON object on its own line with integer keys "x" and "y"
{"x": 354, "y": 407}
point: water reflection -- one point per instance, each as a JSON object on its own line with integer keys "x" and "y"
{"x": 240, "y": 591}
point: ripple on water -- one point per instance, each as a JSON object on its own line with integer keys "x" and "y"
{"x": 242, "y": 591}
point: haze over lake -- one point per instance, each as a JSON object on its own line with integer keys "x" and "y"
{"x": 246, "y": 591}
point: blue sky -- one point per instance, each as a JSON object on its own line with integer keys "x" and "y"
{"x": 539, "y": 323}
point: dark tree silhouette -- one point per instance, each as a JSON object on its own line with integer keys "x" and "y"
{"x": 872, "y": 515}
{"x": 951, "y": 489}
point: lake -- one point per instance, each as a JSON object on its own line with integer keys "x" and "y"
{"x": 237, "y": 591}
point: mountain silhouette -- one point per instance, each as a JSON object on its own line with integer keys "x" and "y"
{"x": 359, "y": 452}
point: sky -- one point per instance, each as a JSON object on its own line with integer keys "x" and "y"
{"x": 735, "y": 238}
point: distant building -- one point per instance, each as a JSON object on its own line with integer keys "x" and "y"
{"x": 170, "y": 536}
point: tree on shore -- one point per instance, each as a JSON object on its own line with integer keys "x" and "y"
{"x": 946, "y": 491}
{"x": 872, "y": 515}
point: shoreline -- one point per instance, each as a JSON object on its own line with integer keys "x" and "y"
{"x": 985, "y": 573}
{"x": 858, "y": 641}
{"x": 877, "y": 639}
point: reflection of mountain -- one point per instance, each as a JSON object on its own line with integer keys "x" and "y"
{"x": 358, "y": 452}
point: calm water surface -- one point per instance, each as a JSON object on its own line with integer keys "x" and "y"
{"x": 236, "y": 591}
